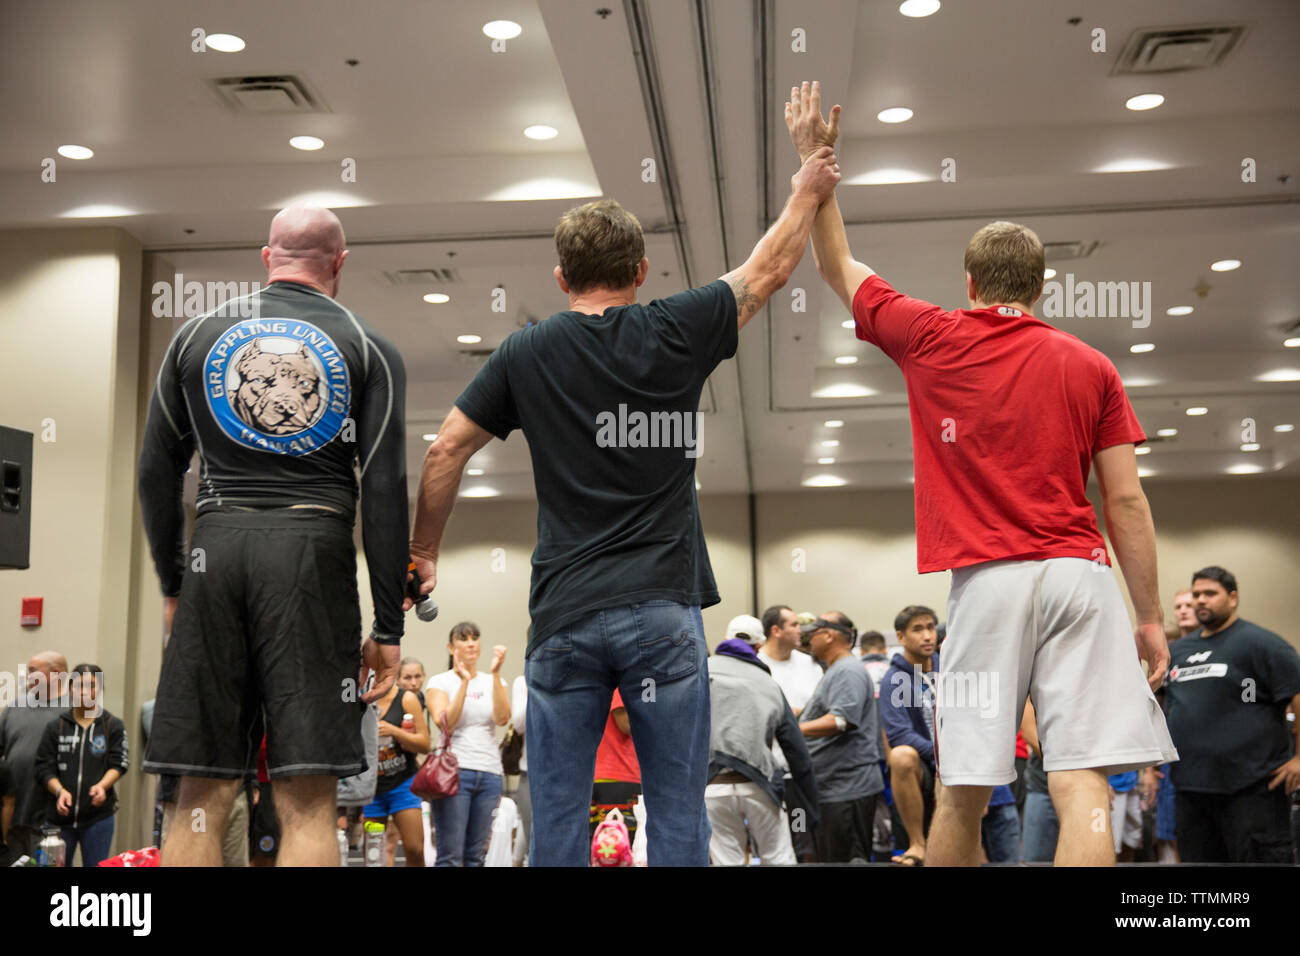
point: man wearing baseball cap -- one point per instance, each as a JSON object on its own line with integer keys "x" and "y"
{"x": 746, "y": 627}
{"x": 843, "y": 731}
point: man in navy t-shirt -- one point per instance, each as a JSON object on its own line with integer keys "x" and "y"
{"x": 607, "y": 393}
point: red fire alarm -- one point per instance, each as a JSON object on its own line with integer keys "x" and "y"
{"x": 31, "y": 616}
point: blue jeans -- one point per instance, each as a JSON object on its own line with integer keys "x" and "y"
{"x": 463, "y": 824}
{"x": 654, "y": 653}
{"x": 1001, "y": 833}
{"x": 94, "y": 839}
{"x": 1041, "y": 829}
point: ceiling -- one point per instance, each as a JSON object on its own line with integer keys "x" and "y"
{"x": 1008, "y": 94}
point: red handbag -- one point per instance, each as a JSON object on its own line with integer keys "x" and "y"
{"x": 440, "y": 775}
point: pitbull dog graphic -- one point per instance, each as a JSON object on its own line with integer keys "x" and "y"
{"x": 276, "y": 394}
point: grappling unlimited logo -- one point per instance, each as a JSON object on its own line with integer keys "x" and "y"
{"x": 278, "y": 385}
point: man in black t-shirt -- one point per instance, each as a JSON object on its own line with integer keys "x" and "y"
{"x": 607, "y": 393}
{"x": 1229, "y": 686}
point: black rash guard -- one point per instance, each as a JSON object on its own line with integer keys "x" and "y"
{"x": 283, "y": 408}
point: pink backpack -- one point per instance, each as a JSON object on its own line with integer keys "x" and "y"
{"x": 610, "y": 846}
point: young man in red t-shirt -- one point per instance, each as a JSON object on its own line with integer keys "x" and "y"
{"x": 1008, "y": 416}
{"x": 618, "y": 773}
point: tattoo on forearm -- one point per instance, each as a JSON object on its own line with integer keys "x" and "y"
{"x": 747, "y": 302}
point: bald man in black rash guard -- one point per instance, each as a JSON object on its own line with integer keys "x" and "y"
{"x": 284, "y": 409}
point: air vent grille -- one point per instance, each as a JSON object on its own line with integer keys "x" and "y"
{"x": 266, "y": 95}
{"x": 1172, "y": 49}
{"x": 1057, "y": 251}
{"x": 434, "y": 277}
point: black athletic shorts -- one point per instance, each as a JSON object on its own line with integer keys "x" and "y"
{"x": 264, "y": 827}
{"x": 267, "y": 636}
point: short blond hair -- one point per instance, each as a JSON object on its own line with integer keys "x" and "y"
{"x": 1005, "y": 260}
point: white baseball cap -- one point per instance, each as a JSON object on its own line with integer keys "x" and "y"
{"x": 746, "y": 627}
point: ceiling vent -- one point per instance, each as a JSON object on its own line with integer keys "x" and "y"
{"x": 422, "y": 277}
{"x": 1056, "y": 251}
{"x": 1171, "y": 49}
{"x": 268, "y": 95}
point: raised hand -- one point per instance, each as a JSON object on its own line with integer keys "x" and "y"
{"x": 803, "y": 118}
{"x": 498, "y": 657}
{"x": 818, "y": 175}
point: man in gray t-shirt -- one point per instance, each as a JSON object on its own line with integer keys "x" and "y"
{"x": 843, "y": 731}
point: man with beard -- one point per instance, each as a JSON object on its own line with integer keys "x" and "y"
{"x": 1229, "y": 686}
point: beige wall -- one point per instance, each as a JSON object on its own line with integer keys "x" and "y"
{"x": 69, "y": 320}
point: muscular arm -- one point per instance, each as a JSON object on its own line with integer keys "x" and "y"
{"x": 458, "y": 439}
{"x": 1132, "y": 532}
{"x": 769, "y": 266}
{"x": 835, "y": 263}
{"x": 164, "y": 458}
{"x": 381, "y": 454}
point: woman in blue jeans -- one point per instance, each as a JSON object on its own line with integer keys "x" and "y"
{"x": 474, "y": 705}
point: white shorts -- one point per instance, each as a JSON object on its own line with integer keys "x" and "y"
{"x": 1056, "y": 630}
{"x": 739, "y": 813}
{"x": 1126, "y": 819}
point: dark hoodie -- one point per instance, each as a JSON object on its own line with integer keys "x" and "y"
{"x": 79, "y": 757}
{"x": 902, "y": 697}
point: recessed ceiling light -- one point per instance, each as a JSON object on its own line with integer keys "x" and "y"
{"x": 1180, "y": 310}
{"x": 76, "y": 152}
{"x": 1225, "y": 265}
{"x": 825, "y": 461}
{"x": 479, "y": 491}
{"x": 473, "y": 472}
{"x": 224, "y": 42}
{"x": 1146, "y": 472}
{"x": 846, "y": 360}
{"x": 306, "y": 142}
{"x": 1133, "y": 165}
{"x": 1283, "y": 428}
{"x": 1245, "y": 469}
{"x": 1250, "y": 446}
{"x": 824, "y": 481}
{"x": 1167, "y": 432}
{"x": 1291, "y": 343}
{"x": 502, "y": 29}
{"x": 1280, "y": 375}
{"x": 1144, "y": 101}
{"x": 469, "y": 339}
{"x": 541, "y": 132}
{"x": 889, "y": 177}
{"x": 1197, "y": 410}
{"x": 1142, "y": 450}
{"x": 850, "y": 324}
{"x": 918, "y": 8}
{"x": 1049, "y": 273}
{"x": 1141, "y": 347}
{"x": 437, "y": 298}
{"x": 430, "y": 437}
{"x": 1140, "y": 382}
{"x": 895, "y": 114}
{"x": 843, "y": 390}
{"x": 835, "y": 423}
{"x": 831, "y": 443}
{"x": 100, "y": 210}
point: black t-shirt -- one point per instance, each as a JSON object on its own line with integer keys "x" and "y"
{"x": 1227, "y": 697}
{"x": 610, "y": 407}
{"x": 283, "y": 409}
{"x": 396, "y": 765}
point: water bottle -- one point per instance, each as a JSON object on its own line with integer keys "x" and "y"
{"x": 343, "y": 848}
{"x": 408, "y": 723}
{"x": 51, "y": 849}
{"x": 374, "y": 843}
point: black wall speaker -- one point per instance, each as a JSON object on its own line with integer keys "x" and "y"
{"x": 15, "y": 497}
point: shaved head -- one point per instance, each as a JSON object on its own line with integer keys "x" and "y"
{"x": 47, "y": 661}
{"x": 41, "y": 668}
{"x": 306, "y": 245}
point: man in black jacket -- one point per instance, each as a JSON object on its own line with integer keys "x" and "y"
{"x": 82, "y": 754}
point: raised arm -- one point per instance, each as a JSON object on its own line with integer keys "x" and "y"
{"x": 769, "y": 266}
{"x": 1133, "y": 536}
{"x": 809, "y": 132}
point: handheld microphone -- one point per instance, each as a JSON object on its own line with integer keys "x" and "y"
{"x": 425, "y": 608}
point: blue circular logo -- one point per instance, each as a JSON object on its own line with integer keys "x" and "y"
{"x": 98, "y": 745}
{"x": 278, "y": 385}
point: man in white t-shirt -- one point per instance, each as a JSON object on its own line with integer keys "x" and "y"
{"x": 795, "y": 672}
{"x": 798, "y": 675}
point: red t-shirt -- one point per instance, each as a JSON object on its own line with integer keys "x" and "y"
{"x": 1007, "y": 414}
{"x": 1022, "y": 748}
{"x": 616, "y": 757}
